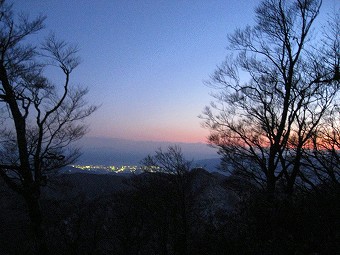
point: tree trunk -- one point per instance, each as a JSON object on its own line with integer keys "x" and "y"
{"x": 35, "y": 215}
{"x": 271, "y": 184}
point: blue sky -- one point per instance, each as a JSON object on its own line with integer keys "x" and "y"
{"x": 144, "y": 61}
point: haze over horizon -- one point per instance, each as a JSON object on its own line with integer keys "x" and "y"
{"x": 115, "y": 151}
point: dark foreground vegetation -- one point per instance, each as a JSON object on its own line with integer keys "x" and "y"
{"x": 156, "y": 213}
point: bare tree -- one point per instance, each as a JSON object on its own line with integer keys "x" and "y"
{"x": 39, "y": 119}
{"x": 171, "y": 164}
{"x": 323, "y": 158}
{"x": 273, "y": 95}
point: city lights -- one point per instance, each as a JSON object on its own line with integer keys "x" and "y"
{"x": 109, "y": 169}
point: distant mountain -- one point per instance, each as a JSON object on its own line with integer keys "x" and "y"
{"x": 211, "y": 165}
{"x": 113, "y": 151}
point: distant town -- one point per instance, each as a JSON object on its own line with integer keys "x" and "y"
{"x": 110, "y": 169}
{"x": 210, "y": 165}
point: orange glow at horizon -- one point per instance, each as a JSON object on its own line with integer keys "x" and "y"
{"x": 157, "y": 135}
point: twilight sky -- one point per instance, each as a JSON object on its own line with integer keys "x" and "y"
{"x": 144, "y": 61}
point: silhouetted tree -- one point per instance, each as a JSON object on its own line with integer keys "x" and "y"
{"x": 263, "y": 126}
{"x": 323, "y": 158}
{"x": 38, "y": 118}
{"x": 172, "y": 166}
{"x": 322, "y": 162}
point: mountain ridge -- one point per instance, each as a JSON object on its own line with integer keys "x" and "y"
{"x": 117, "y": 151}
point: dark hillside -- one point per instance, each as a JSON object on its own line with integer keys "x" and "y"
{"x": 154, "y": 212}
{"x": 87, "y": 184}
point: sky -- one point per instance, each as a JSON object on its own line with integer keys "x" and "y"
{"x": 145, "y": 61}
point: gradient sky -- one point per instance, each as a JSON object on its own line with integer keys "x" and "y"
{"x": 145, "y": 61}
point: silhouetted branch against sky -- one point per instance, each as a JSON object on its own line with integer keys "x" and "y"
{"x": 267, "y": 119}
{"x": 40, "y": 117}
